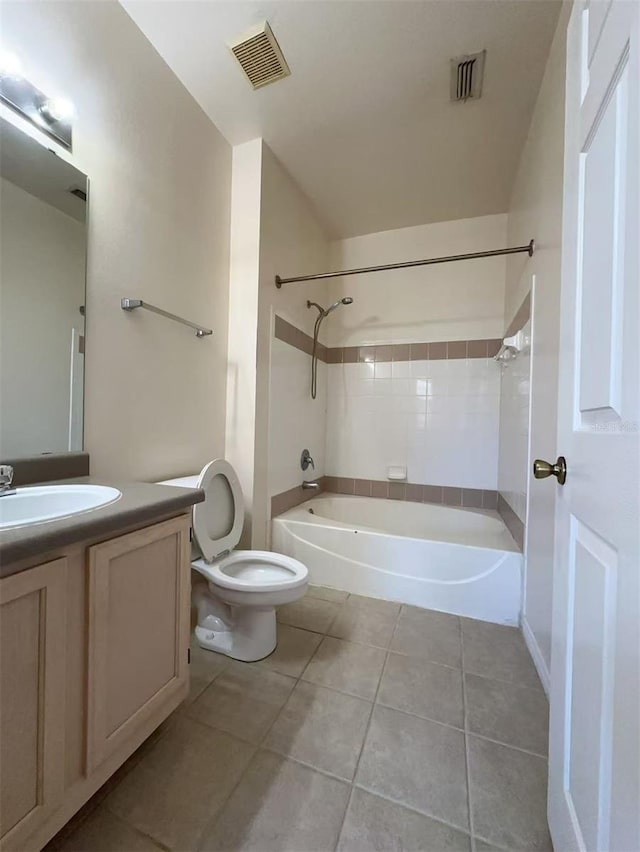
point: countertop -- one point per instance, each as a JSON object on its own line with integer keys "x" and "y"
{"x": 140, "y": 502}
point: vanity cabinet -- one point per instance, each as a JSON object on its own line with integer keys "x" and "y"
{"x": 93, "y": 657}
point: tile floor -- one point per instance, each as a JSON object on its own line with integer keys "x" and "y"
{"x": 373, "y": 726}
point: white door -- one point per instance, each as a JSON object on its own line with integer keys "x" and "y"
{"x": 594, "y": 759}
{"x": 76, "y": 389}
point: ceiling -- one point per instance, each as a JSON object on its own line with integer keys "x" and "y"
{"x": 37, "y": 170}
{"x": 364, "y": 123}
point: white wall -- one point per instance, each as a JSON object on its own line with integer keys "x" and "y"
{"x": 292, "y": 241}
{"x": 514, "y": 413}
{"x": 451, "y": 301}
{"x": 42, "y": 275}
{"x": 439, "y": 419}
{"x": 536, "y": 211}
{"x": 243, "y": 319}
{"x": 274, "y": 230}
{"x": 159, "y": 205}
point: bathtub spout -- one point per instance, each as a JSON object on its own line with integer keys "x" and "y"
{"x": 311, "y": 486}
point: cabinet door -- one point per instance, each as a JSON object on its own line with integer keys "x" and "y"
{"x": 32, "y": 695}
{"x": 139, "y": 612}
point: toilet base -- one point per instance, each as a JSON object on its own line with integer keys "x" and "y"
{"x": 243, "y": 633}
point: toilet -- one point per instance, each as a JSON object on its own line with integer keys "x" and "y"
{"x": 236, "y": 605}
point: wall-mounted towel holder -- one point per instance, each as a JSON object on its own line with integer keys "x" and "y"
{"x": 132, "y": 304}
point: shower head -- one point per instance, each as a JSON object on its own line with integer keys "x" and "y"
{"x": 325, "y": 313}
{"x": 346, "y": 301}
{"x": 322, "y": 313}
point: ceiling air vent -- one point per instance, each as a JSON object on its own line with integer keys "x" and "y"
{"x": 466, "y": 76}
{"x": 260, "y": 56}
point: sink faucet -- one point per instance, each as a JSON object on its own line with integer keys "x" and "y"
{"x": 6, "y": 479}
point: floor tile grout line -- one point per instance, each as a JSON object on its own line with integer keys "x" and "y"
{"x": 376, "y": 703}
{"x": 513, "y": 683}
{"x": 169, "y": 723}
{"x": 308, "y": 663}
{"x": 306, "y": 764}
{"x": 466, "y": 743}
{"x": 493, "y": 843}
{"x": 225, "y": 666}
{"x": 412, "y": 809}
{"x": 508, "y": 745}
{"x": 366, "y": 733}
{"x": 538, "y": 685}
{"x": 329, "y": 635}
{"x": 456, "y": 728}
{"x": 261, "y": 746}
{"x": 339, "y": 604}
{"x": 335, "y": 688}
{"x": 66, "y": 836}
{"x": 158, "y": 843}
{"x": 210, "y": 825}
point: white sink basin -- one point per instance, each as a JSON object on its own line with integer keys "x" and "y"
{"x": 49, "y": 502}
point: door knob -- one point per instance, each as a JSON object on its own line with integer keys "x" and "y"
{"x": 542, "y": 469}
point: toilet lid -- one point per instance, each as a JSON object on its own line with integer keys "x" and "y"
{"x": 218, "y": 522}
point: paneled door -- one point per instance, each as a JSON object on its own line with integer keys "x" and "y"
{"x": 594, "y": 760}
{"x": 139, "y": 611}
{"x": 32, "y": 699}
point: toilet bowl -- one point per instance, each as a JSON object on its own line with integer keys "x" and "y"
{"x": 238, "y": 591}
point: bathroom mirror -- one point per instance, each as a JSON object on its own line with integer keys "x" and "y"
{"x": 43, "y": 204}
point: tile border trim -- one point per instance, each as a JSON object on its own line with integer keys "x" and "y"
{"x": 521, "y": 317}
{"x": 294, "y": 336}
{"x": 441, "y": 495}
{"x": 511, "y": 521}
{"x": 286, "y": 500}
{"x": 386, "y": 352}
{"x": 413, "y": 492}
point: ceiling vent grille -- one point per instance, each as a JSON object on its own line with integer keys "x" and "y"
{"x": 260, "y": 56}
{"x": 467, "y": 73}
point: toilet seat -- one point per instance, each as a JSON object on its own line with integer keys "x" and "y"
{"x": 217, "y": 527}
{"x": 223, "y": 499}
{"x": 254, "y": 570}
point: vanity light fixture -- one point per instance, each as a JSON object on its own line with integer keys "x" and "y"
{"x": 10, "y": 65}
{"x": 51, "y": 115}
{"x": 57, "y": 109}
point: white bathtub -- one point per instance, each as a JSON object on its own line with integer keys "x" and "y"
{"x": 462, "y": 561}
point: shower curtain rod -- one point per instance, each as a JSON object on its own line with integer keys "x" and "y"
{"x": 407, "y": 264}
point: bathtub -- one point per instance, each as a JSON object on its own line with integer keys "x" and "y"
{"x": 461, "y": 561}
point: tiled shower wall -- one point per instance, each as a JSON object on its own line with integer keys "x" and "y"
{"x": 296, "y": 421}
{"x": 404, "y": 386}
{"x": 438, "y": 418}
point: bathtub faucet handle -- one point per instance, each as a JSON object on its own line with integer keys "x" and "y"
{"x": 306, "y": 460}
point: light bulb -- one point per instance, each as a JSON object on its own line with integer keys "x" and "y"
{"x": 58, "y": 109}
{"x": 10, "y": 65}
